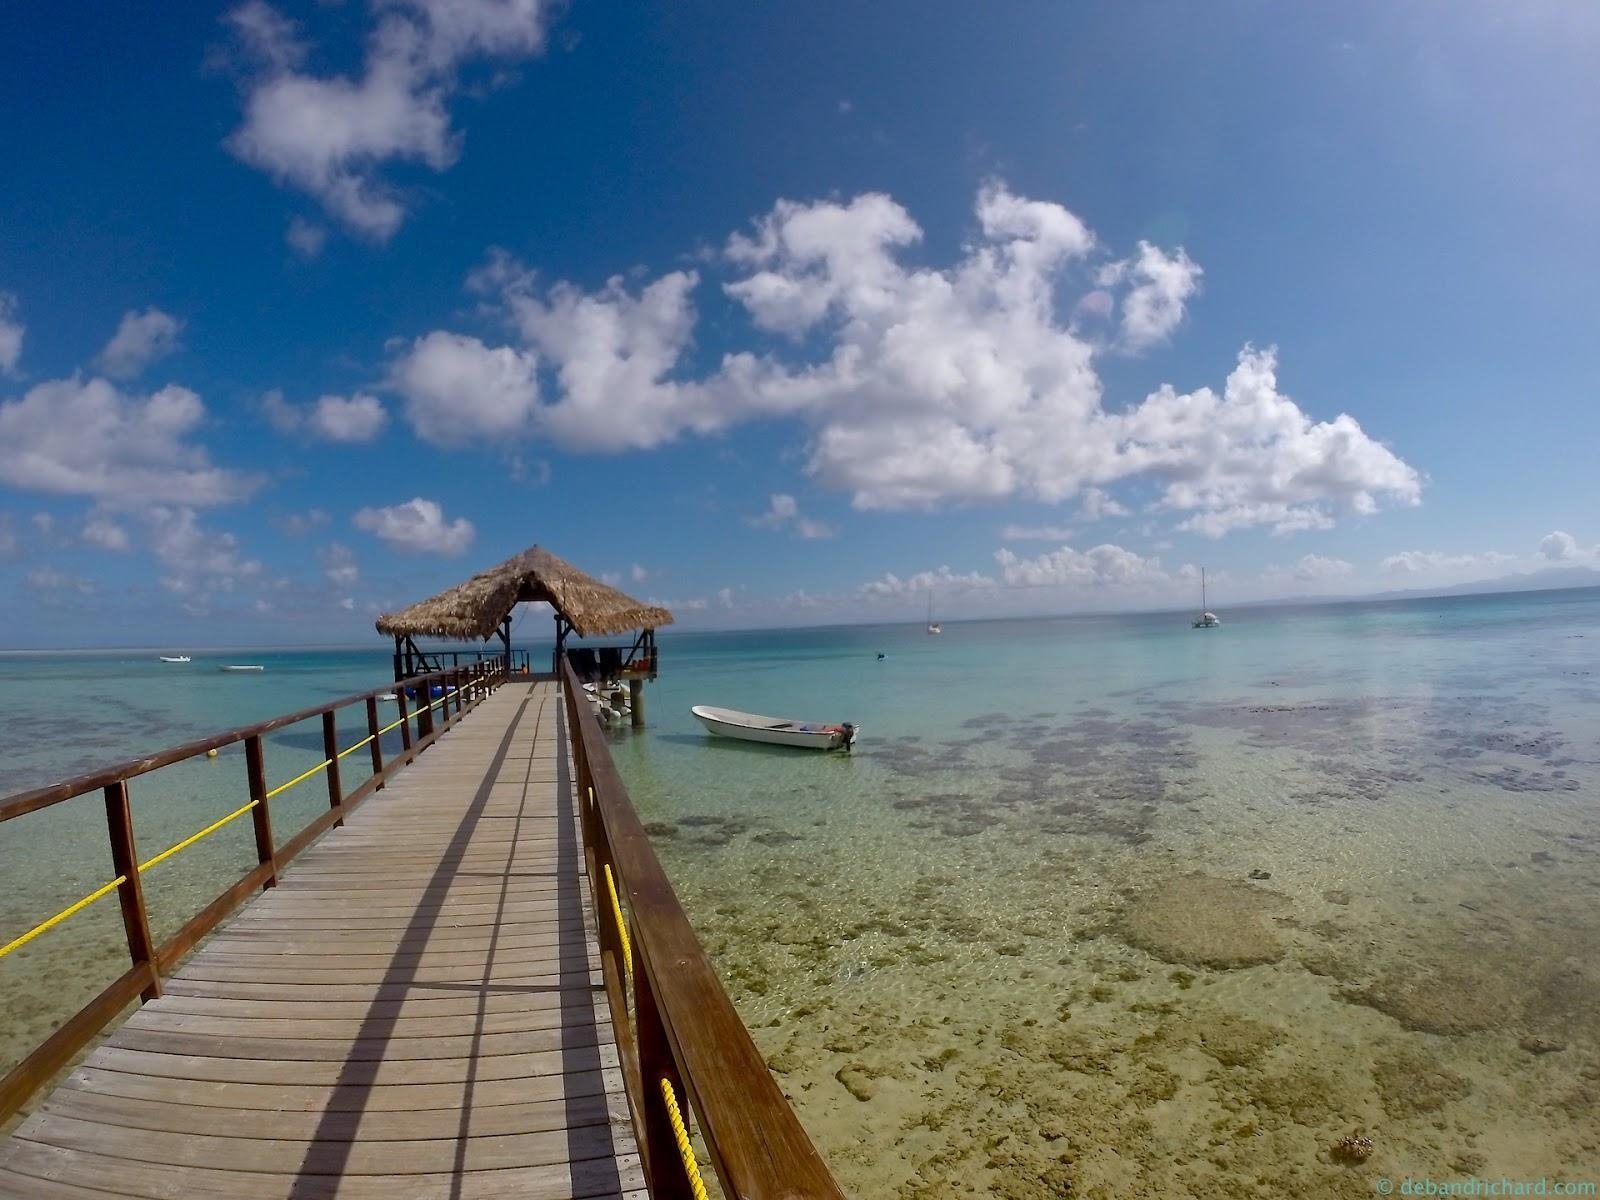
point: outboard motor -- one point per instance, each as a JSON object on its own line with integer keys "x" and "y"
{"x": 850, "y": 731}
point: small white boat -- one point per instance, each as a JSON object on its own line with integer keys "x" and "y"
{"x": 933, "y": 626}
{"x": 244, "y": 667}
{"x": 175, "y": 658}
{"x": 775, "y": 731}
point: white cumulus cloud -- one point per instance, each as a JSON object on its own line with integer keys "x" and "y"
{"x": 1155, "y": 304}
{"x": 52, "y": 585}
{"x": 1252, "y": 456}
{"x": 1312, "y": 567}
{"x": 418, "y": 525}
{"x": 348, "y": 419}
{"x": 1103, "y": 566}
{"x": 458, "y": 390}
{"x": 783, "y": 512}
{"x": 891, "y": 586}
{"x": 1097, "y": 504}
{"x": 1563, "y": 547}
{"x": 141, "y": 339}
{"x": 927, "y": 385}
{"x": 104, "y": 534}
{"x": 305, "y": 238}
{"x": 331, "y": 136}
{"x": 85, "y": 437}
{"x": 612, "y": 352}
{"x": 1558, "y": 546}
{"x": 1435, "y": 562}
{"x": 11, "y": 334}
{"x": 339, "y": 564}
{"x": 199, "y": 562}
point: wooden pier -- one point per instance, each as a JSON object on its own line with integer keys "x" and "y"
{"x": 413, "y": 1011}
{"x": 474, "y": 980}
{"x": 468, "y": 977}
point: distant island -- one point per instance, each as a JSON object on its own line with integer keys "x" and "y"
{"x": 1546, "y": 579}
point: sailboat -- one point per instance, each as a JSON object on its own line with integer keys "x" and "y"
{"x": 933, "y": 626}
{"x": 1206, "y": 619}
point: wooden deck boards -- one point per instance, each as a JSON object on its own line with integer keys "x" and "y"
{"x": 414, "y": 1011}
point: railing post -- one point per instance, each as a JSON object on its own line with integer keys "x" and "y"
{"x": 330, "y": 751}
{"x": 125, "y": 862}
{"x": 256, "y": 769}
{"x": 455, "y": 675}
{"x": 377, "y": 748}
{"x": 663, "y": 1169}
{"x": 405, "y": 718}
{"x": 425, "y": 708}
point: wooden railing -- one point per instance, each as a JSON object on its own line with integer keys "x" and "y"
{"x": 679, "y": 1038}
{"x": 460, "y": 690}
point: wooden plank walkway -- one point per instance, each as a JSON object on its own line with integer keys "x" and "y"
{"x": 414, "y": 1011}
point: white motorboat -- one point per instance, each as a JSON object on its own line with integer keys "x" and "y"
{"x": 175, "y": 658}
{"x": 244, "y": 667}
{"x": 1206, "y": 619}
{"x": 775, "y": 731}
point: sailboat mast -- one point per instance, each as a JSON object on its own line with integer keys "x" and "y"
{"x": 1202, "y": 589}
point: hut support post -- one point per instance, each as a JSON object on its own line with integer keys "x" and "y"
{"x": 505, "y": 640}
{"x": 636, "y": 701}
{"x": 562, "y": 629}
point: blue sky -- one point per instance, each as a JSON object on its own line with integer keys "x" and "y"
{"x": 311, "y": 309}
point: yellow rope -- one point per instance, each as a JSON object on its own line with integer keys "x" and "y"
{"x": 107, "y": 889}
{"x": 358, "y": 745}
{"x": 622, "y": 926}
{"x": 193, "y": 838}
{"x": 300, "y": 778}
{"x": 691, "y": 1168}
{"x": 62, "y": 915}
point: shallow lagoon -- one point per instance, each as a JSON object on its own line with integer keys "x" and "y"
{"x": 1101, "y": 906}
{"x": 1116, "y": 907}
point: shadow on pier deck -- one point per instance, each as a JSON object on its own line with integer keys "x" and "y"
{"x": 479, "y": 984}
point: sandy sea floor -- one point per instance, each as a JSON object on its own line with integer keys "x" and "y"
{"x": 1172, "y": 949}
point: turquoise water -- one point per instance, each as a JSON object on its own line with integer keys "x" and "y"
{"x": 70, "y": 713}
{"x": 1099, "y": 906}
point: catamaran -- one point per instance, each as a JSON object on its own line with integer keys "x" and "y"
{"x": 933, "y": 626}
{"x": 1206, "y": 619}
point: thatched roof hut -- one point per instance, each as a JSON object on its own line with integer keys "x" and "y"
{"x": 480, "y": 606}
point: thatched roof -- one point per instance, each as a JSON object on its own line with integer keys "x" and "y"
{"x": 474, "y": 609}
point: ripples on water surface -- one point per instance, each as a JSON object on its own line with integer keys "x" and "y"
{"x": 1114, "y": 907}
